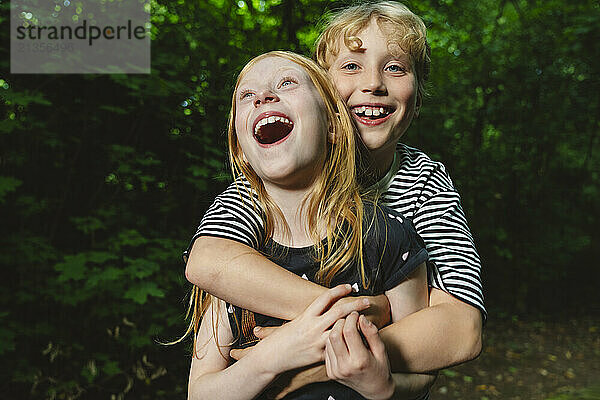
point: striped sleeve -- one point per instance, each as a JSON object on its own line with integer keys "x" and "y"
{"x": 234, "y": 215}
{"x": 441, "y": 222}
{"x": 422, "y": 190}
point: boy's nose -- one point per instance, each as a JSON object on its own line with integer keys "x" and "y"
{"x": 265, "y": 96}
{"x": 374, "y": 84}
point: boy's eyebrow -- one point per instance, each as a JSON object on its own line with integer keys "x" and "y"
{"x": 400, "y": 56}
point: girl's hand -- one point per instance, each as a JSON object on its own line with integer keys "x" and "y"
{"x": 301, "y": 342}
{"x": 350, "y": 362}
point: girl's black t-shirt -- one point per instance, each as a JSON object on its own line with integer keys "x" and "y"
{"x": 391, "y": 251}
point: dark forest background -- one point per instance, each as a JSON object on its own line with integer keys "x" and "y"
{"x": 104, "y": 178}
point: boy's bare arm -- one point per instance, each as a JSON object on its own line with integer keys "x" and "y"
{"x": 446, "y": 333}
{"x": 242, "y": 276}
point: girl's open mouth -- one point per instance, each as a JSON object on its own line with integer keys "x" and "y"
{"x": 272, "y": 127}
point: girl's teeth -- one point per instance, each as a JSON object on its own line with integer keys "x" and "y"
{"x": 368, "y": 112}
{"x": 376, "y": 112}
{"x": 270, "y": 120}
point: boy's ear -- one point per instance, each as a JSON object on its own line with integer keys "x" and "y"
{"x": 418, "y": 106}
{"x": 331, "y": 135}
{"x": 331, "y": 131}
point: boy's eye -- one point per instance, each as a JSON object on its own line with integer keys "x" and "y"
{"x": 396, "y": 68}
{"x": 350, "y": 66}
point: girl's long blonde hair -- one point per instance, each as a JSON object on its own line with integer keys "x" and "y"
{"x": 335, "y": 199}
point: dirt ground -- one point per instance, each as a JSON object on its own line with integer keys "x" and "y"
{"x": 529, "y": 360}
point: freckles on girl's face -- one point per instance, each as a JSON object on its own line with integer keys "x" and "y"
{"x": 281, "y": 122}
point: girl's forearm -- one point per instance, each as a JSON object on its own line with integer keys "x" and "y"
{"x": 446, "y": 333}
{"x": 242, "y": 380}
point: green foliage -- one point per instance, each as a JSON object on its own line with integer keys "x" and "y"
{"x": 8, "y": 184}
{"x": 104, "y": 178}
{"x": 591, "y": 393}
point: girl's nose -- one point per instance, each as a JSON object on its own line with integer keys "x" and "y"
{"x": 265, "y": 96}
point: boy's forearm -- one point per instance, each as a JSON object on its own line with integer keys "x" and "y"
{"x": 411, "y": 386}
{"x": 243, "y": 276}
{"x": 446, "y": 333}
{"x": 406, "y": 386}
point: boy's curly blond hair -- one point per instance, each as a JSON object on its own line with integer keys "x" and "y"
{"x": 404, "y": 29}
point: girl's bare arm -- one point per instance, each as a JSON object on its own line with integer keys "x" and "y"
{"x": 297, "y": 344}
{"x": 211, "y": 376}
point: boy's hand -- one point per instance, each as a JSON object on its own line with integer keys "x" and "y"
{"x": 349, "y": 361}
{"x": 378, "y": 312}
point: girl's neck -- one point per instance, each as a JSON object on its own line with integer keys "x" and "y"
{"x": 290, "y": 202}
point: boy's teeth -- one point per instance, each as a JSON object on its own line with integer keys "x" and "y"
{"x": 370, "y": 111}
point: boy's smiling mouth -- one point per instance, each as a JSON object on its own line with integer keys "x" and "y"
{"x": 372, "y": 114}
{"x": 271, "y": 128}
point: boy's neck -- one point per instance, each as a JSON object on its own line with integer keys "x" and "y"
{"x": 381, "y": 161}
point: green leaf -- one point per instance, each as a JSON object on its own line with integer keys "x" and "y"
{"x": 111, "y": 368}
{"x": 72, "y": 268}
{"x": 8, "y": 184}
{"x": 7, "y": 340}
{"x": 139, "y": 293}
{"x": 141, "y": 267}
{"x": 449, "y": 373}
{"x": 105, "y": 275}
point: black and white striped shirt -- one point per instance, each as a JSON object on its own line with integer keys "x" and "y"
{"x": 417, "y": 187}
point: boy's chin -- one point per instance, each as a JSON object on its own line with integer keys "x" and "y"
{"x": 377, "y": 140}
{"x": 376, "y": 143}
